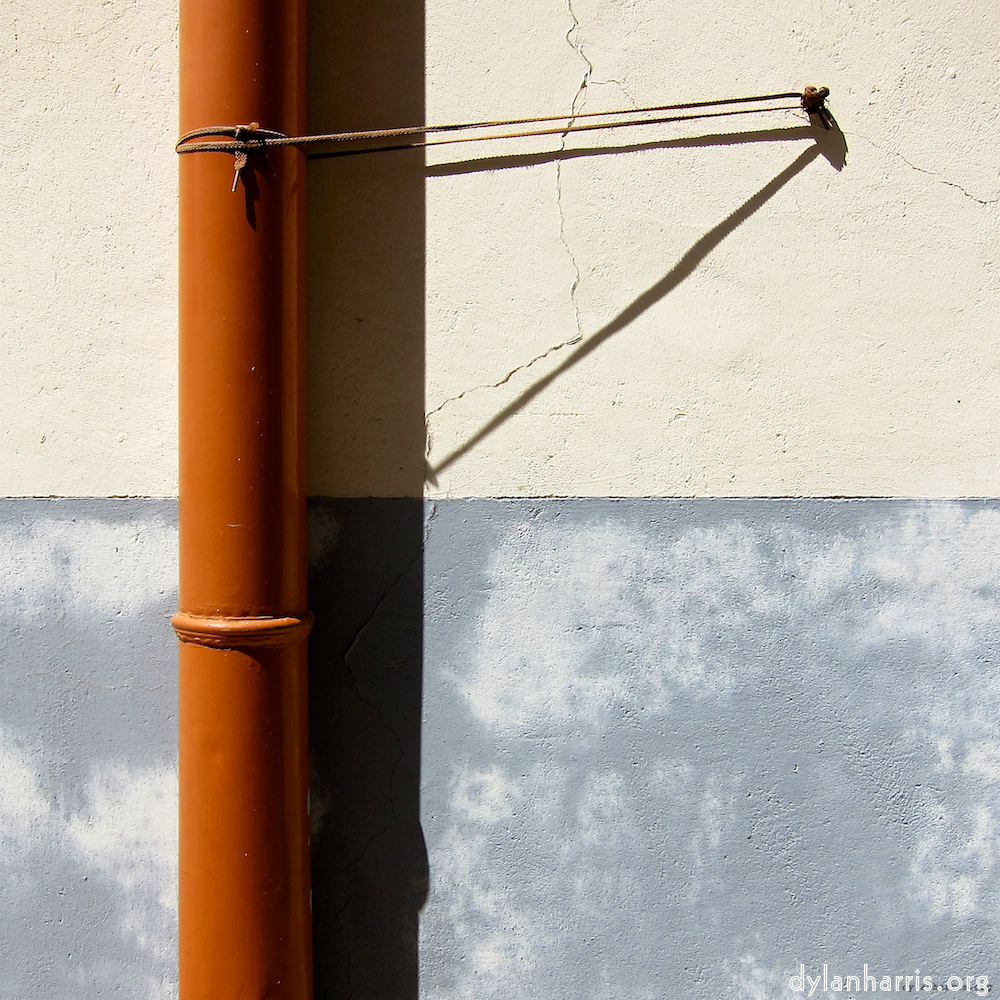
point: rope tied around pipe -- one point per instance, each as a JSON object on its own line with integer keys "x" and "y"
{"x": 244, "y": 140}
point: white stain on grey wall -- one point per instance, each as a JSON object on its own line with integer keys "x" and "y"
{"x": 128, "y": 831}
{"x": 691, "y": 744}
{"x": 88, "y": 776}
{"x": 580, "y": 622}
{"x": 125, "y": 836}
{"x": 87, "y": 566}
{"x": 22, "y": 805}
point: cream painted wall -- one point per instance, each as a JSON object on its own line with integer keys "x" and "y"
{"x": 88, "y": 287}
{"x": 839, "y": 340}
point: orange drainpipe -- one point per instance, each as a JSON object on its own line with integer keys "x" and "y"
{"x": 245, "y": 921}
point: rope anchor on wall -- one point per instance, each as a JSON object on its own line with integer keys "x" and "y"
{"x": 244, "y": 140}
{"x": 814, "y": 103}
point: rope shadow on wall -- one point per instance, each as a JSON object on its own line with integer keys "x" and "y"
{"x": 832, "y": 147}
{"x": 831, "y": 144}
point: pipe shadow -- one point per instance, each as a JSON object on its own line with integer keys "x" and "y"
{"x": 681, "y": 270}
{"x": 366, "y": 422}
{"x": 370, "y": 871}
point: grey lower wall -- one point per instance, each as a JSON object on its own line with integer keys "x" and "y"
{"x": 88, "y": 749}
{"x": 568, "y": 749}
{"x": 680, "y": 748}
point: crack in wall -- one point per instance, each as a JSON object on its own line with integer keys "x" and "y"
{"x": 579, "y": 99}
{"x": 352, "y": 867}
{"x": 577, "y": 47}
{"x": 981, "y": 201}
{"x": 569, "y": 252}
{"x": 503, "y": 381}
{"x": 612, "y": 82}
{"x": 930, "y": 173}
{"x": 577, "y": 104}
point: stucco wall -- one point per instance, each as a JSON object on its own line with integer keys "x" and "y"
{"x": 679, "y": 748}
{"x": 834, "y": 338}
{"x": 582, "y": 748}
{"x": 88, "y": 297}
{"x": 88, "y": 749}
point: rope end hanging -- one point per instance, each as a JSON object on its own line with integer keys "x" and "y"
{"x": 240, "y": 160}
{"x": 244, "y": 147}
